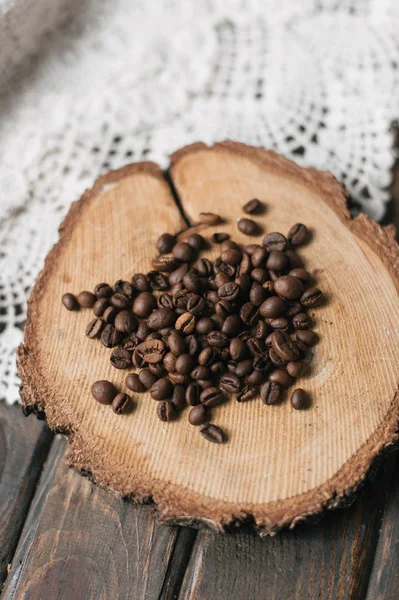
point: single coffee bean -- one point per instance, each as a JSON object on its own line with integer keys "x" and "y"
{"x": 245, "y": 265}
{"x": 198, "y": 415}
{"x": 147, "y": 378}
{"x": 212, "y": 433}
{"x": 183, "y": 252}
{"x": 119, "y": 300}
{"x": 258, "y": 256}
{"x": 144, "y": 304}
{"x": 86, "y": 299}
{"x": 208, "y": 356}
{"x": 110, "y": 336}
{"x": 307, "y": 336}
{"x": 178, "y": 378}
{"x": 312, "y": 297}
{"x": 95, "y": 328}
{"x": 279, "y": 323}
{"x": 299, "y": 399}
{"x": 229, "y": 244}
{"x": 103, "y": 290}
{"x": 161, "y": 389}
{"x": 229, "y": 291}
{"x": 260, "y": 275}
{"x": 255, "y": 378}
{"x": 184, "y": 364}
{"x": 275, "y": 241}
{"x": 231, "y": 256}
{"x": 301, "y": 274}
{"x": 262, "y": 363}
{"x": 262, "y": 330}
{"x": 218, "y": 368}
{"x": 125, "y": 322}
{"x": 134, "y": 384}
{"x": 121, "y": 359}
{"x": 200, "y": 373}
{"x": 212, "y": 296}
{"x": 217, "y": 339}
{"x": 255, "y": 346}
{"x": 165, "y": 301}
{"x": 143, "y": 331}
{"x": 281, "y": 376}
{"x": 152, "y": 351}
{"x": 176, "y": 344}
{"x": 181, "y": 298}
{"x": 257, "y": 294}
{"x": 165, "y": 243}
{"x": 209, "y": 218}
{"x": 232, "y": 367}
{"x": 193, "y": 394}
{"x": 232, "y": 325}
{"x": 248, "y": 226}
{"x": 196, "y": 241}
{"x": 272, "y": 307}
{"x": 169, "y": 362}
{"x": 125, "y": 288}
{"x": 177, "y": 275}
{"x": 70, "y": 302}
{"x": 103, "y": 391}
{"x": 270, "y": 392}
{"x": 247, "y": 393}
{"x": 158, "y": 369}
{"x": 140, "y": 282}
{"x": 301, "y": 321}
{"x": 244, "y": 367}
{"x": 284, "y": 346}
{"x": 288, "y": 287}
{"x": 158, "y": 281}
{"x": 179, "y": 397}
{"x": 221, "y": 278}
{"x": 296, "y": 369}
{"x": 138, "y": 359}
{"x": 276, "y": 359}
{"x": 211, "y": 396}
{"x": 100, "y": 306}
{"x": 293, "y": 308}
{"x": 204, "y": 267}
{"x": 166, "y": 411}
{"x": 238, "y": 349}
{"x": 252, "y": 206}
{"x": 131, "y": 342}
{"x": 230, "y": 383}
{"x": 249, "y": 313}
{"x": 220, "y": 237}
{"x": 186, "y": 323}
{"x": 121, "y": 403}
{"x": 297, "y": 234}
{"x": 192, "y": 282}
{"x": 110, "y": 314}
{"x": 196, "y": 304}
{"x": 165, "y": 263}
{"x": 276, "y": 261}
{"x": 155, "y": 335}
{"x": 161, "y": 318}
{"x": 193, "y": 345}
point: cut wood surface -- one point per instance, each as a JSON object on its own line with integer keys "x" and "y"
{"x": 279, "y": 465}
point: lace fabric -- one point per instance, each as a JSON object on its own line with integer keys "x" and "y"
{"x": 87, "y": 86}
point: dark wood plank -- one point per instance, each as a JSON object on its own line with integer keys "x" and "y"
{"x": 331, "y": 560}
{"x": 24, "y": 444}
{"x": 384, "y": 580}
{"x": 80, "y": 541}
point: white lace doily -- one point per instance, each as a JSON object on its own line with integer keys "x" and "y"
{"x": 87, "y": 86}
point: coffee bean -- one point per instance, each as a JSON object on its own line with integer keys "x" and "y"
{"x": 166, "y": 411}
{"x": 238, "y": 349}
{"x": 103, "y": 290}
{"x": 258, "y": 256}
{"x": 299, "y": 399}
{"x": 232, "y": 325}
{"x": 169, "y": 362}
{"x": 262, "y": 330}
{"x": 144, "y": 304}
{"x": 181, "y": 298}
{"x": 244, "y": 367}
{"x": 277, "y": 261}
{"x": 301, "y": 274}
{"x": 212, "y": 433}
{"x": 125, "y": 322}
{"x": 297, "y": 234}
{"x": 288, "y": 287}
{"x": 196, "y": 241}
{"x": 204, "y": 267}
{"x": 165, "y": 301}
{"x": 293, "y": 308}
{"x": 186, "y": 323}
{"x": 125, "y": 288}
{"x": 312, "y": 297}
{"x": 218, "y": 368}
{"x": 196, "y": 304}
{"x": 221, "y": 278}
{"x": 212, "y": 296}
{"x": 209, "y": 218}
{"x": 279, "y": 323}
{"x": 161, "y": 389}
{"x": 229, "y": 270}
{"x": 192, "y": 282}
{"x": 155, "y": 335}
{"x": 307, "y": 337}
{"x": 95, "y": 328}
{"x": 177, "y": 275}
{"x": 230, "y": 383}
{"x": 301, "y": 321}
{"x": 276, "y": 359}
{"x": 284, "y": 346}
{"x": 131, "y": 342}
{"x": 134, "y": 384}
{"x": 147, "y": 378}
{"x": 183, "y": 252}
{"x": 193, "y": 394}
{"x": 247, "y": 393}
{"x": 217, "y": 339}
{"x": 121, "y": 359}
{"x": 208, "y": 356}
{"x": 211, "y": 396}
{"x": 231, "y": 256}
{"x": 255, "y": 346}
{"x": 110, "y": 314}
{"x": 293, "y": 259}
{"x": 110, "y": 336}
{"x": 229, "y": 291}
{"x": 281, "y": 376}
{"x": 193, "y": 345}
{"x": 296, "y": 369}
{"x": 184, "y": 364}
{"x": 70, "y": 302}
{"x": 160, "y": 318}
{"x": 198, "y": 415}
{"x": 252, "y": 206}
{"x": 200, "y": 373}
{"x": 257, "y": 294}
{"x": 178, "y": 378}
{"x": 270, "y": 392}
{"x": 143, "y": 331}
{"x": 103, "y": 391}
{"x": 275, "y": 241}
{"x": 138, "y": 359}
{"x": 245, "y": 265}
{"x": 165, "y": 263}
{"x": 260, "y": 275}
{"x": 179, "y": 397}
{"x": 165, "y": 243}
{"x": 158, "y": 281}
{"x": 274, "y": 275}
{"x": 272, "y": 307}
{"x": 158, "y": 369}
{"x": 152, "y": 351}
{"x": 249, "y": 314}
{"x": 100, "y": 306}
{"x": 86, "y": 299}
{"x": 140, "y": 282}
{"x": 255, "y": 378}
{"x": 121, "y": 403}
{"x": 248, "y": 226}
{"x": 220, "y": 237}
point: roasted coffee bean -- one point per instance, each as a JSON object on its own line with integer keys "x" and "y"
{"x": 224, "y": 308}
{"x": 258, "y": 256}
{"x": 284, "y": 346}
{"x": 205, "y": 383}
{"x": 228, "y": 244}
{"x": 152, "y": 351}
{"x": 249, "y": 314}
{"x": 281, "y": 376}
{"x": 262, "y": 330}
{"x": 177, "y": 275}
{"x": 179, "y": 397}
{"x": 260, "y": 275}
{"x": 195, "y": 304}
{"x": 231, "y": 256}
{"x": 131, "y": 342}
{"x": 217, "y": 339}
{"x": 270, "y": 392}
{"x": 252, "y": 206}
{"x": 255, "y": 378}
{"x": 288, "y": 287}
{"x": 275, "y": 241}
{"x": 272, "y": 307}
{"x": 121, "y": 359}
{"x": 198, "y": 415}
{"x": 186, "y": 323}
{"x": 204, "y": 267}
{"x": 144, "y": 304}
{"x": 169, "y": 362}
{"x": 276, "y": 359}
{"x": 194, "y": 346}
{"x": 218, "y": 321}
{"x": 158, "y": 369}
{"x": 200, "y": 372}
{"x": 220, "y": 237}
{"x": 293, "y": 308}
{"x": 86, "y": 299}
{"x": 268, "y": 340}
{"x": 312, "y": 297}
{"x": 209, "y": 218}
{"x": 134, "y": 384}
{"x": 301, "y": 274}
{"x": 196, "y": 241}
{"x": 301, "y": 321}
{"x": 221, "y": 278}
{"x": 184, "y": 252}
{"x": 140, "y": 282}
{"x": 229, "y": 270}
{"x": 279, "y": 323}
{"x": 166, "y": 411}
{"x": 121, "y": 404}
{"x": 147, "y": 378}
{"x": 184, "y": 364}
{"x": 218, "y": 368}
{"x": 205, "y": 325}
{"x": 208, "y": 356}
{"x": 176, "y": 344}
{"x": 110, "y": 314}
{"x": 178, "y": 378}
{"x": 165, "y": 243}
{"x": 181, "y": 298}
{"x": 138, "y": 359}
{"x": 143, "y": 331}
{"x": 232, "y": 367}
{"x": 161, "y": 318}
{"x": 158, "y": 281}
{"x": 125, "y": 322}
{"x": 211, "y": 396}
{"x": 70, "y": 302}
{"x": 299, "y": 399}
{"x": 100, "y": 306}
{"x": 125, "y": 288}
{"x": 161, "y": 389}
{"x": 305, "y": 351}
{"x": 155, "y": 335}
{"x": 247, "y": 393}
{"x": 193, "y": 394}
{"x": 261, "y": 362}
{"x": 244, "y": 367}
{"x": 255, "y": 346}
{"x": 238, "y": 349}
{"x": 257, "y": 294}
{"x": 165, "y": 263}
{"x": 103, "y": 391}
{"x": 296, "y": 369}
{"x": 103, "y": 290}
{"x": 229, "y": 291}
{"x": 248, "y": 226}
{"x": 165, "y": 301}
{"x": 244, "y": 281}
{"x": 119, "y": 301}
{"x": 294, "y": 260}
{"x": 232, "y": 325}
{"x": 230, "y": 383}
{"x": 307, "y": 337}
{"x": 110, "y": 336}
{"x": 94, "y": 328}
{"x": 297, "y": 234}
{"x": 276, "y": 261}
{"x": 245, "y": 266}
{"x": 212, "y": 433}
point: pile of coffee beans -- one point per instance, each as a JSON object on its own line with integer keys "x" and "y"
{"x": 196, "y": 330}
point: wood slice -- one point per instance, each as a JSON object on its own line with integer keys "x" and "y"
{"x": 279, "y": 465}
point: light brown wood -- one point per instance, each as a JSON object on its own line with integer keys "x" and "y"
{"x": 279, "y": 465}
